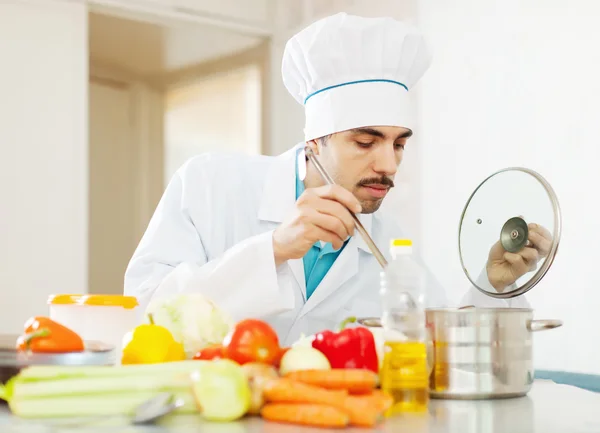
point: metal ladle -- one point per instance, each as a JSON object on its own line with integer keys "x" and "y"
{"x": 146, "y": 413}
{"x": 155, "y": 408}
{"x": 376, "y": 252}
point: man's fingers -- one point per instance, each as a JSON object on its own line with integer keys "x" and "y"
{"x": 520, "y": 267}
{"x": 541, "y": 238}
{"x": 543, "y": 231}
{"x": 336, "y": 210}
{"x": 327, "y": 236}
{"x": 340, "y": 194}
{"x": 530, "y": 255}
{"x": 540, "y": 242}
{"x": 330, "y": 224}
{"x": 522, "y": 262}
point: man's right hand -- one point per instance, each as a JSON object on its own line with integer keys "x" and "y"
{"x": 320, "y": 214}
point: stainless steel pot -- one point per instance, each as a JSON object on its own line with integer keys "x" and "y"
{"x": 480, "y": 353}
{"x": 483, "y": 353}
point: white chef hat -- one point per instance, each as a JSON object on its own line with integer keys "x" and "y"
{"x": 351, "y": 72}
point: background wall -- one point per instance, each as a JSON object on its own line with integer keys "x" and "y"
{"x": 43, "y": 155}
{"x": 515, "y": 84}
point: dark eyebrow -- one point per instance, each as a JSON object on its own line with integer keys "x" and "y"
{"x": 408, "y": 133}
{"x": 375, "y": 133}
{"x": 368, "y": 131}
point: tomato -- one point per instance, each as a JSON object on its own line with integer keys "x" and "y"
{"x": 252, "y": 340}
{"x": 210, "y": 352}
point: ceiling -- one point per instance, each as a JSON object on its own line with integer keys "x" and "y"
{"x": 150, "y": 49}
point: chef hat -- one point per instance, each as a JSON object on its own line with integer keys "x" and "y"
{"x": 351, "y": 72}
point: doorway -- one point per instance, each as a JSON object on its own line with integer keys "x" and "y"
{"x": 160, "y": 94}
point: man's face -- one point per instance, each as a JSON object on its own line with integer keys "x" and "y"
{"x": 364, "y": 161}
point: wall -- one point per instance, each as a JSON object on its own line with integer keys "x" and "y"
{"x": 43, "y": 167}
{"x": 516, "y": 84}
{"x": 286, "y": 117}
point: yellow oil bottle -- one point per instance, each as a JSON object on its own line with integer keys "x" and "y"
{"x": 405, "y": 376}
{"x": 405, "y": 371}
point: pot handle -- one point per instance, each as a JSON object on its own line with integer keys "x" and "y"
{"x": 543, "y": 325}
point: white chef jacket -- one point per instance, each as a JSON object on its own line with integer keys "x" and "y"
{"x": 212, "y": 234}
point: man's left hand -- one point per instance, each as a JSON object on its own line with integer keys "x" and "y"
{"x": 504, "y": 268}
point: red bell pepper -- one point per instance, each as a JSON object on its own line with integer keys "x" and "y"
{"x": 348, "y": 348}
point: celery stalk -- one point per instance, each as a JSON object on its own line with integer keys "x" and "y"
{"x": 220, "y": 388}
{"x": 100, "y": 385}
{"x": 43, "y": 372}
{"x": 64, "y": 391}
{"x": 92, "y": 405}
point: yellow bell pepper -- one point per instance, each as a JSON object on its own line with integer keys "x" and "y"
{"x": 151, "y": 344}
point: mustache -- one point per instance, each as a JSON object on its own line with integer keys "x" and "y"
{"x": 377, "y": 181}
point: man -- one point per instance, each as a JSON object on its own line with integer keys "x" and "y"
{"x": 263, "y": 236}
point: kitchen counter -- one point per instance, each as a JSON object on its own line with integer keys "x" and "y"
{"x": 548, "y": 408}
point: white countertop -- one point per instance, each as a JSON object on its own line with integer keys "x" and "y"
{"x": 548, "y": 408}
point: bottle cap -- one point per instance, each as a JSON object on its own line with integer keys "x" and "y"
{"x": 401, "y": 243}
{"x": 400, "y": 247}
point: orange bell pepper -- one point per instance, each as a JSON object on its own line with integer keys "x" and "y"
{"x": 43, "y": 335}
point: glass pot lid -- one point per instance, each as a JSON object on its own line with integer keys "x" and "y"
{"x": 509, "y": 232}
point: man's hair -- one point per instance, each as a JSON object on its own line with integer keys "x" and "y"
{"x": 324, "y": 139}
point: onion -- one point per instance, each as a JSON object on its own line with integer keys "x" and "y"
{"x": 303, "y": 358}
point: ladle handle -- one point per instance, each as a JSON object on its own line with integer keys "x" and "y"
{"x": 382, "y": 261}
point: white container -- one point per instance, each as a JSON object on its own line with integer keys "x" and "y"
{"x": 104, "y": 318}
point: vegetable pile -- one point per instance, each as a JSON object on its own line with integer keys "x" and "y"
{"x": 330, "y": 382}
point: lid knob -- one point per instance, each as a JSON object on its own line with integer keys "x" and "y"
{"x": 514, "y": 234}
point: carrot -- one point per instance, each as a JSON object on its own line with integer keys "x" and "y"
{"x": 317, "y": 415}
{"x": 379, "y": 399}
{"x": 289, "y": 391}
{"x": 362, "y": 412}
{"x": 355, "y": 381}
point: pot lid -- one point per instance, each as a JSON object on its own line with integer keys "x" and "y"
{"x": 509, "y": 232}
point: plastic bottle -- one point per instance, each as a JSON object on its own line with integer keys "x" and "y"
{"x": 404, "y": 374}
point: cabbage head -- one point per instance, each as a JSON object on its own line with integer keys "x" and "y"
{"x": 193, "y": 320}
